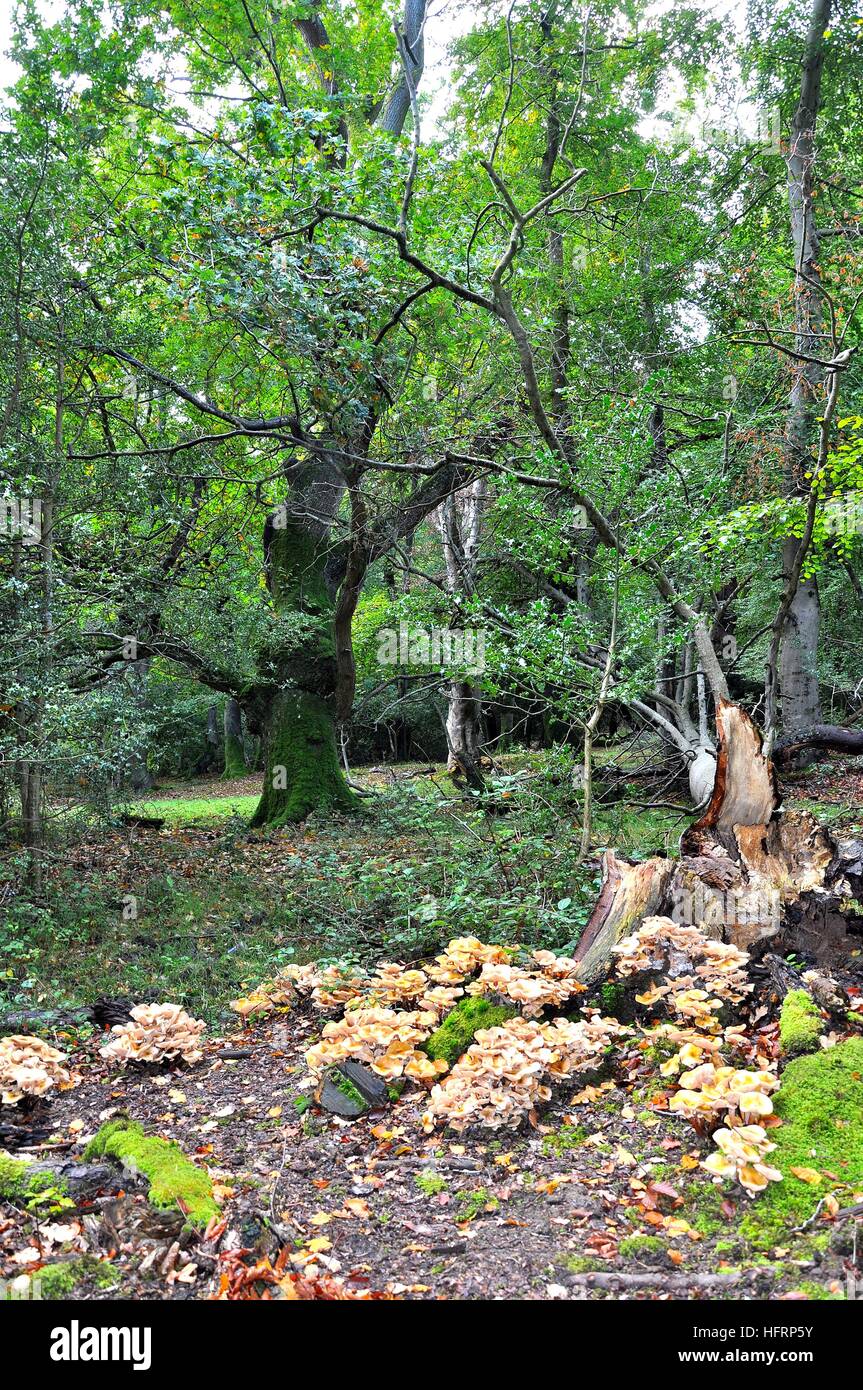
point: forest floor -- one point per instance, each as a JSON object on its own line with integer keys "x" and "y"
{"x": 602, "y": 1198}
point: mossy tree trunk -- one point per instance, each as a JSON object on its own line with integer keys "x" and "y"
{"x": 295, "y": 693}
{"x": 235, "y": 759}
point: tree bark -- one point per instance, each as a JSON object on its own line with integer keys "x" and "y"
{"x": 798, "y": 664}
{"x": 295, "y": 695}
{"x": 629, "y": 893}
{"x": 463, "y": 732}
{"x": 748, "y": 872}
{"x": 235, "y": 758}
{"x": 460, "y": 521}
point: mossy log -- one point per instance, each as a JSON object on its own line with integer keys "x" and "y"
{"x": 175, "y": 1181}
{"x": 455, "y": 1035}
{"x": 29, "y": 1182}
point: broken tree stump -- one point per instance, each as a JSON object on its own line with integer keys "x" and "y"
{"x": 749, "y": 872}
{"x": 629, "y": 893}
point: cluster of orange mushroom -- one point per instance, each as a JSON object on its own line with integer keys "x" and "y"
{"x": 550, "y": 986}
{"x": 30, "y": 1067}
{"x": 697, "y": 976}
{"x": 506, "y": 1071}
{"x": 701, "y": 975}
{"x": 156, "y": 1033}
{"x": 387, "y": 1040}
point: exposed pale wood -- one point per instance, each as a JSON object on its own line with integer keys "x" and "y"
{"x": 744, "y": 792}
{"x": 629, "y": 893}
{"x": 749, "y": 872}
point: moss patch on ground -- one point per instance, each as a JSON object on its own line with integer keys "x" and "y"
{"x": 820, "y": 1104}
{"x": 568, "y": 1137}
{"x": 174, "y": 1180}
{"x": 457, "y": 1031}
{"x": 60, "y": 1280}
{"x": 800, "y": 1023}
{"x": 582, "y": 1264}
{"x": 638, "y": 1247}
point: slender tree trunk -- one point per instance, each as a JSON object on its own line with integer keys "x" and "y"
{"x": 798, "y": 663}
{"x": 463, "y": 726}
{"x": 590, "y": 729}
{"x": 212, "y": 737}
{"x": 235, "y": 759}
{"x": 798, "y": 658}
{"x": 460, "y": 520}
{"x": 139, "y": 774}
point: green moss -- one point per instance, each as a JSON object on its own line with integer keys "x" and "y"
{"x": 346, "y": 1086}
{"x": 726, "y": 1247}
{"x": 820, "y": 1103}
{"x": 567, "y": 1137}
{"x": 40, "y": 1192}
{"x": 297, "y": 669}
{"x": 800, "y": 1023}
{"x": 174, "y": 1180}
{"x": 59, "y": 1280}
{"x": 303, "y": 773}
{"x": 235, "y": 758}
{"x": 818, "y": 1292}
{"x": 612, "y": 997}
{"x": 12, "y": 1177}
{"x": 430, "y": 1183}
{"x": 472, "y": 1203}
{"x": 638, "y": 1247}
{"x": 705, "y": 1212}
{"x": 581, "y": 1264}
{"x": 455, "y": 1035}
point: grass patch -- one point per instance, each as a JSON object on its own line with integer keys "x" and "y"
{"x": 202, "y": 811}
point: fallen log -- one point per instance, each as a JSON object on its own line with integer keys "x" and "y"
{"x": 834, "y": 738}
{"x": 23, "y": 1180}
